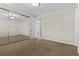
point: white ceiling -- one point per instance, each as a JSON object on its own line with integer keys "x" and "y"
{"x": 26, "y": 8}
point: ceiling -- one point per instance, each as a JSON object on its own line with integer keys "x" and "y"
{"x": 43, "y": 8}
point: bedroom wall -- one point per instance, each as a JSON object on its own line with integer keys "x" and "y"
{"x": 77, "y": 26}
{"x": 59, "y": 25}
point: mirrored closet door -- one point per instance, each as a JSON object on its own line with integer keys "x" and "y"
{"x": 13, "y": 27}
{"x": 4, "y": 23}
{"x": 19, "y": 27}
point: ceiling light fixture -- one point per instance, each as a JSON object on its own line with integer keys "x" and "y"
{"x": 35, "y": 4}
{"x": 12, "y": 17}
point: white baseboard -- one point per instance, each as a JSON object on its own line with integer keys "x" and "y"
{"x": 60, "y": 41}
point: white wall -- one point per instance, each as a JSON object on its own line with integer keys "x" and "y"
{"x": 59, "y": 25}
{"x": 77, "y": 27}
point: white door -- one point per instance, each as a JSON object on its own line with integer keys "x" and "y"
{"x": 38, "y": 28}
{"x": 35, "y": 27}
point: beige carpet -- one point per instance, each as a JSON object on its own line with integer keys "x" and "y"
{"x": 38, "y": 47}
